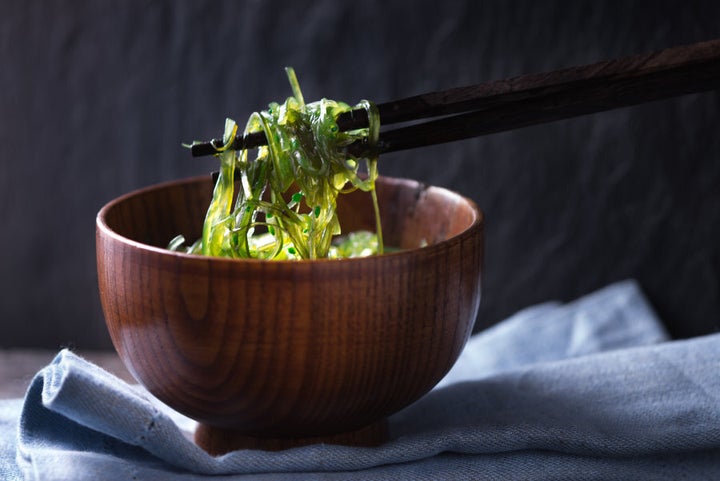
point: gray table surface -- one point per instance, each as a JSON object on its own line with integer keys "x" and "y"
{"x": 18, "y": 366}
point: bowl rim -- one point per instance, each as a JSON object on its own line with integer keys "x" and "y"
{"x": 102, "y": 226}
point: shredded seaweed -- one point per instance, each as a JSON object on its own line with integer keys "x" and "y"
{"x": 285, "y": 206}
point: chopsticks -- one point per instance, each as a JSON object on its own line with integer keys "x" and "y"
{"x": 502, "y": 105}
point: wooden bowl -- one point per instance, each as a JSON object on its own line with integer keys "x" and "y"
{"x": 273, "y": 354}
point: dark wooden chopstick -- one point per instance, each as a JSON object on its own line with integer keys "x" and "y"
{"x": 532, "y": 99}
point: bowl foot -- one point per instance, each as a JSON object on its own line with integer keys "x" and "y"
{"x": 218, "y": 441}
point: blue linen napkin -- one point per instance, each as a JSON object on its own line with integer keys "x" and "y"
{"x": 591, "y": 389}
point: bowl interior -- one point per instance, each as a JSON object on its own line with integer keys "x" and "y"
{"x": 413, "y": 214}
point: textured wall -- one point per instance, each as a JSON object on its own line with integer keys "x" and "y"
{"x": 96, "y": 97}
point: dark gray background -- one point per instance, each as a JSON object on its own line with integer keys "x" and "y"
{"x": 96, "y": 97}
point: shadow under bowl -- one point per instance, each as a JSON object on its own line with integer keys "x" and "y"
{"x": 274, "y": 354}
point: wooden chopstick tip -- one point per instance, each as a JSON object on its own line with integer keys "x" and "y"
{"x": 204, "y": 148}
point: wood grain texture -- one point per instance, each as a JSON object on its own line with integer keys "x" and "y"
{"x": 290, "y": 349}
{"x": 534, "y": 99}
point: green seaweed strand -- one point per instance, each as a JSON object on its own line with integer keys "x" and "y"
{"x": 285, "y": 197}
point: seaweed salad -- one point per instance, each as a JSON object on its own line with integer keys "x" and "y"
{"x": 285, "y": 204}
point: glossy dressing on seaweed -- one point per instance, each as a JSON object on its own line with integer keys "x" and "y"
{"x": 285, "y": 204}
